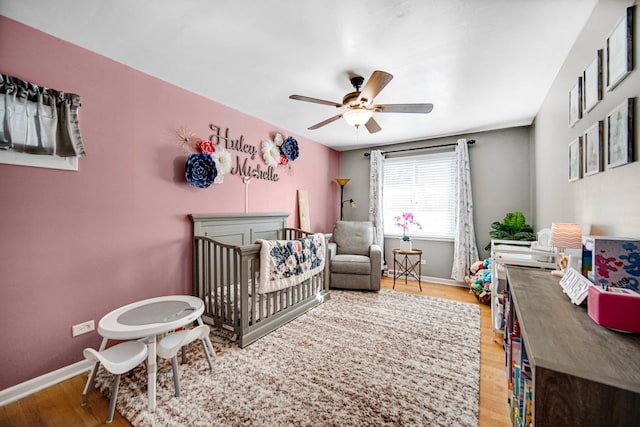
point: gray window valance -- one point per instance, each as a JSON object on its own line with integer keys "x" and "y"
{"x": 38, "y": 120}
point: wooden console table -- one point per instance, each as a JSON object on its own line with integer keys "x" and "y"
{"x": 583, "y": 374}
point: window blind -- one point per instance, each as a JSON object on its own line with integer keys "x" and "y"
{"x": 423, "y": 185}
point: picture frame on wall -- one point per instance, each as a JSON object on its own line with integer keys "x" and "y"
{"x": 620, "y": 134}
{"x": 575, "y": 159}
{"x": 619, "y": 50}
{"x": 592, "y": 82}
{"x": 575, "y": 103}
{"x": 593, "y": 151}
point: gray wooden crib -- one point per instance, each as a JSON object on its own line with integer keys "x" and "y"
{"x": 225, "y": 275}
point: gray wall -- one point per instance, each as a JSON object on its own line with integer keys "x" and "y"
{"x": 501, "y": 179}
{"x": 605, "y": 203}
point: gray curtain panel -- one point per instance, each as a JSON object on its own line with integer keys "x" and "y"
{"x": 38, "y": 120}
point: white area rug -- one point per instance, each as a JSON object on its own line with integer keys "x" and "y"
{"x": 359, "y": 359}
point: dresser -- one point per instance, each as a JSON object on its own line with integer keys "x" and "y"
{"x": 582, "y": 374}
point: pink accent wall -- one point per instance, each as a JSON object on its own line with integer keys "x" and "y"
{"x": 75, "y": 245}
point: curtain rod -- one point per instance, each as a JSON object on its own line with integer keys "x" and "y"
{"x": 469, "y": 142}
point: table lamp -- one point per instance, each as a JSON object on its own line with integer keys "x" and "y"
{"x": 564, "y": 236}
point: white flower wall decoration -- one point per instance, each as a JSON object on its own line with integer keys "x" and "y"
{"x": 270, "y": 152}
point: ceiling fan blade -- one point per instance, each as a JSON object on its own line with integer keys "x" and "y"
{"x": 403, "y": 108}
{"x": 314, "y": 100}
{"x": 325, "y": 122}
{"x": 377, "y": 82}
{"x": 372, "y": 126}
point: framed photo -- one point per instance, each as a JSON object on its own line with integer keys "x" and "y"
{"x": 575, "y": 159}
{"x": 620, "y": 134}
{"x": 575, "y": 102}
{"x": 593, "y": 151}
{"x": 592, "y": 82}
{"x": 619, "y": 52}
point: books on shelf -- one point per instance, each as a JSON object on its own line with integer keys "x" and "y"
{"x": 519, "y": 376}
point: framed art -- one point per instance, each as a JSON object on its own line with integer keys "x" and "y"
{"x": 620, "y": 134}
{"x": 593, "y": 152}
{"x": 592, "y": 82}
{"x": 575, "y": 163}
{"x": 619, "y": 50}
{"x": 575, "y": 102}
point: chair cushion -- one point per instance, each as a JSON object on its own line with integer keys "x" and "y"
{"x": 353, "y": 237}
{"x": 351, "y": 264}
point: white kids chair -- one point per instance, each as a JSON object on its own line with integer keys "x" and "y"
{"x": 170, "y": 345}
{"x": 117, "y": 360}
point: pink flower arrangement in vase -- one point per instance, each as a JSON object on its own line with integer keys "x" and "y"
{"x": 404, "y": 221}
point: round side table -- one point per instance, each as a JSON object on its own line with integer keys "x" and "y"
{"x": 405, "y": 263}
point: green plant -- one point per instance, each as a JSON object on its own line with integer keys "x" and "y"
{"x": 513, "y": 227}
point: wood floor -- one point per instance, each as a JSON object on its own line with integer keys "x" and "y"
{"x": 59, "y": 405}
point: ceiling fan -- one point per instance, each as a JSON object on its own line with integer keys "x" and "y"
{"x": 359, "y": 107}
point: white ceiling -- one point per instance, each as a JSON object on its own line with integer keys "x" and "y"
{"x": 484, "y": 64}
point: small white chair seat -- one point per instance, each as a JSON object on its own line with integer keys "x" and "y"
{"x": 117, "y": 360}
{"x": 170, "y": 345}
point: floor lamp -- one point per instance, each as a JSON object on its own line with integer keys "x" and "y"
{"x": 342, "y": 182}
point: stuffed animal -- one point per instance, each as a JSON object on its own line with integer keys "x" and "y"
{"x": 487, "y": 263}
{"x": 478, "y": 265}
{"x": 485, "y": 275}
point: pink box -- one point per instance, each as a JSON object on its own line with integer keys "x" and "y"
{"x": 616, "y": 308}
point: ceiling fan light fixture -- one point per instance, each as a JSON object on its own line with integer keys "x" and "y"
{"x": 357, "y": 116}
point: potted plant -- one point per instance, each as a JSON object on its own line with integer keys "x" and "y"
{"x": 404, "y": 221}
{"x": 513, "y": 227}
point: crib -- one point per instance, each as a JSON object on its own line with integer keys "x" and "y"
{"x": 225, "y": 275}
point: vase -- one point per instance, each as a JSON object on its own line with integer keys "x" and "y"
{"x": 405, "y": 245}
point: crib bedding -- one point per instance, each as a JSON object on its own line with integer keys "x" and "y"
{"x": 285, "y": 263}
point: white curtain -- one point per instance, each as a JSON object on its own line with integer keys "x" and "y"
{"x": 375, "y": 196}
{"x": 465, "y": 251}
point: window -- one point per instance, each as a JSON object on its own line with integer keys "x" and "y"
{"x": 424, "y": 185}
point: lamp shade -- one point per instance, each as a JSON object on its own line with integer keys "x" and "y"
{"x": 357, "y": 116}
{"x": 565, "y": 235}
{"x": 342, "y": 181}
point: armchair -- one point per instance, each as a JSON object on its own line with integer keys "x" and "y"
{"x": 354, "y": 261}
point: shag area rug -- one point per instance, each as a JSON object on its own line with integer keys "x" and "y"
{"x": 360, "y": 358}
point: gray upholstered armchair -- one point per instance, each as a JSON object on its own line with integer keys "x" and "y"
{"x": 354, "y": 261}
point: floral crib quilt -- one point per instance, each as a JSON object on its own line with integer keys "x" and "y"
{"x": 285, "y": 263}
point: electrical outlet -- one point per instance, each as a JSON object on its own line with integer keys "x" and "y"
{"x": 423, "y": 261}
{"x": 83, "y": 328}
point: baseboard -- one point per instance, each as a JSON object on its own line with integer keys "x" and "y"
{"x": 441, "y": 281}
{"x": 26, "y": 388}
{"x": 436, "y": 280}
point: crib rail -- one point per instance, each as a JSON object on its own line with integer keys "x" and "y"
{"x": 225, "y": 277}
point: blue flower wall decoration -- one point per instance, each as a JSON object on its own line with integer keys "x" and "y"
{"x": 201, "y": 170}
{"x": 290, "y": 148}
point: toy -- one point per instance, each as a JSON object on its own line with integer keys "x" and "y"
{"x": 478, "y": 265}
{"x": 479, "y": 280}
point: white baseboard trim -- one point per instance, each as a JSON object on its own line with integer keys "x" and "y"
{"x": 430, "y": 279}
{"x": 441, "y": 281}
{"x": 26, "y": 388}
